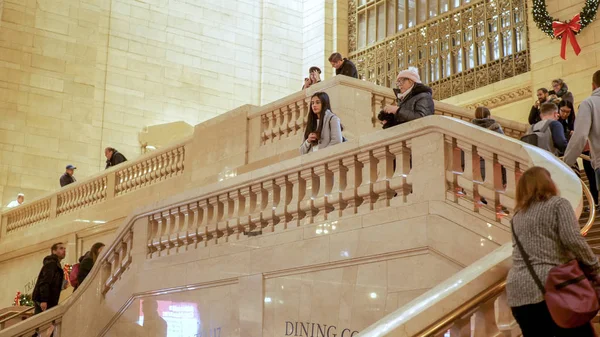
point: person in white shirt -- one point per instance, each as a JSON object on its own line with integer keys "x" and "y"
{"x": 18, "y": 202}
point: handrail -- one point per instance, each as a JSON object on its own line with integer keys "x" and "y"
{"x": 497, "y": 288}
{"x": 464, "y": 309}
{"x": 15, "y": 315}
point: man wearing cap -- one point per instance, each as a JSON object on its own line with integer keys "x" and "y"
{"x": 415, "y": 99}
{"x": 67, "y": 177}
{"x": 18, "y": 202}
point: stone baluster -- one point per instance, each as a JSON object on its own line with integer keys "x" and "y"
{"x": 369, "y": 176}
{"x": 179, "y": 233}
{"x": 507, "y": 199}
{"x": 173, "y": 166}
{"x": 488, "y": 189}
{"x": 307, "y": 203}
{"x": 269, "y": 136}
{"x": 104, "y": 188}
{"x": 202, "y": 230}
{"x": 256, "y": 219}
{"x": 151, "y": 241}
{"x": 127, "y": 246}
{"x": 237, "y": 212}
{"x": 277, "y": 121}
{"x": 339, "y": 183}
{"x": 249, "y": 203}
{"x": 226, "y": 204}
{"x": 166, "y": 240}
{"x": 304, "y": 115}
{"x": 284, "y": 127}
{"x": 384, "y": 172}
{"x": 505, "y": 321}
{"x": 483, "y": 322}
{"x": 180, "y": 159}
{"x": 321, "y": 191}
{"x": 164, "y": 161}
{"x": 466, "y": 181}
{"x": 285, "y": 196}
{"x": 298, "y": 191}
{"x": 460, "y": 328}
{"x": 111, "y": 259}
{"x": 211, "y": 227}
{"x": 272, "y": 198}
{"x": 353, "y": 181}
{"x": 296, "y": 115}
{"x": 399, "y": 180}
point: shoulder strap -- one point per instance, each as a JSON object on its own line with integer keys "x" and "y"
{"x": 525, "y": 256}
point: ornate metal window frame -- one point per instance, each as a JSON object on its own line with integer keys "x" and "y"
{"x": 475, "y": 45}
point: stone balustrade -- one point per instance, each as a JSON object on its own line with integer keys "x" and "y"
{"x": 405, "y": 165}
{"x": 149, "y": 169}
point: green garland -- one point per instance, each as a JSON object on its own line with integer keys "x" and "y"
{"x": 544, "y": 21}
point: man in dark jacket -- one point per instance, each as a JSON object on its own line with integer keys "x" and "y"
{"x": 415, "y": 99}
{"x": 67, "y": 177}
{"x": 343, "y": 66}
{"x": 113, "y": 157}
{"x": 534, "y": 113}
{"x": 51, "y": 280}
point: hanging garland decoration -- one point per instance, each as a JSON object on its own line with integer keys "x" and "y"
{"x": 567, "y": 30}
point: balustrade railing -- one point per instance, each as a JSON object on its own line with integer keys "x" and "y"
{"x": 149, "y": 169}
{"x": 288, "y": 118}
{"x": 404, "y": 165}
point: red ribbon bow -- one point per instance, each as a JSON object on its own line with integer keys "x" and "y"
{"x": 566, "y": 31}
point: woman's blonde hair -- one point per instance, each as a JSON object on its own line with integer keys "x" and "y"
{"x": 534, "y": 185}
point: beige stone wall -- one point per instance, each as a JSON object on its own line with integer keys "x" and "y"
{"x": 79, "y": 75}
{"x": 546, "y": 63}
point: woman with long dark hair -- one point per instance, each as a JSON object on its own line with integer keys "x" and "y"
{"x": 323, "y": 127}
{"x": 548, "y": 231}
{"x": 566, "y": 117}
{"x": 88, "y": 261}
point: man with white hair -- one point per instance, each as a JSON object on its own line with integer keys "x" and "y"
{"x": 18, "y": 202}
{"x": 415, "y": 99}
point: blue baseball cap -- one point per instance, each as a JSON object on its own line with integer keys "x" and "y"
{"x": 71, "y": 167}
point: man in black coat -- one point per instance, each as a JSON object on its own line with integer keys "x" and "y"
{"x": 113, "y": 157}
{"x": 343, "y": 66}
{"x": 51, "y": 280}
{"x": 67, "y": 177}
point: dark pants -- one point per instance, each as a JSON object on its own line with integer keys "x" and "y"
{"x": 535, "y": 321}
{"x": 591, "y": 175}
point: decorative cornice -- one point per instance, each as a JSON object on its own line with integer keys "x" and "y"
{"x": 504, "y": 98}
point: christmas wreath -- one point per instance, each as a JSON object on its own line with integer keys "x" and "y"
{"x": 564, "y": 30}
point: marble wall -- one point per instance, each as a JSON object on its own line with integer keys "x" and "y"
{"x": 79, "y": 75}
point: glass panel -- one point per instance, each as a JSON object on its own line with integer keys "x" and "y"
{"x": 470, "y": 56}
{"x": 481, "y": 53}
{"x": 433, "y": 10}
{"x": 391, "y": 17}
{"x": 422, "y": 8}
{"x": 456, "y": 3}
{"x": 412, "y": 13}
{"x": 458, "y": 61}
{"x": 380, "y": 22}
{"x": 400, "y": 14}
{"x": 507, "y": 43}
{"x": 362, "y": 30}
{"x": 444, "y": 6}
{"x": 371, "y": 34}
{"x": 521, "y": 39}
{"x": 495, "y": 48}
{"x": 362, "y": 2}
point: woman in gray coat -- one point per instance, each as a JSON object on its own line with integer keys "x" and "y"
{"x": 323, "y": 128}
{"x": 548, "y": 231}
{"x": 415, "y": 99}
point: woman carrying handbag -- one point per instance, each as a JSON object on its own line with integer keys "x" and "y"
{"x": 546, "y": 288}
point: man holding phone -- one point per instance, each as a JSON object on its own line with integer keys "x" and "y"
{"x": 314, "y": 76}
{"x": 51, "y": 280}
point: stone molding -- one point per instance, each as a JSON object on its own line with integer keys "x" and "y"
{"x": 504, "y": 98}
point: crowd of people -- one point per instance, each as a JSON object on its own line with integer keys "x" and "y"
{"x": 544, "y": 226}
{"x": 113, "y": 158}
